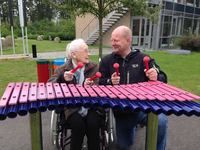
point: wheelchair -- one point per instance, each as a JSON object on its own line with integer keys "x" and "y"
{"x": 60, "y": 133}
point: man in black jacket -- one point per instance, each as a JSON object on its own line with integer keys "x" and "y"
{"x": 131, "y": 70}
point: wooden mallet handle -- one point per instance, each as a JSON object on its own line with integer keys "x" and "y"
{"x": 146, "y": 60}
{"x": 97, "y": 75}
{"x": 80, "y": 65}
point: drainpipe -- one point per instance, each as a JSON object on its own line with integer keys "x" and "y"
{"x": 156, "y": 31}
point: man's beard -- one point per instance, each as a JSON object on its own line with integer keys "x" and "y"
{"x": 115, "y": 50}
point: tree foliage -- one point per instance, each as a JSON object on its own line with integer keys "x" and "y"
{"x": 36, "y": 10}
{"x": 101, "y": 8}
{"x": 39, "y": 10}
{"x": 39, "y": 15}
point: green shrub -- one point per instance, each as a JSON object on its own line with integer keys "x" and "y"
{"x": 5, "y": 29}
{"x": 65, "y": 29}
{"x": 190, "y": 43}
{"x": 32, "y": 36}
{"x": 40, "y": 27}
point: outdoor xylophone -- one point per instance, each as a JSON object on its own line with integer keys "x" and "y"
{"x": 153, "y": 96}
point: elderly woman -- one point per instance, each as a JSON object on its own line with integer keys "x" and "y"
{"x": 82, "y": 121}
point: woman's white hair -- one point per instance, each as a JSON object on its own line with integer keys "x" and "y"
{"x": 74, "y": 45}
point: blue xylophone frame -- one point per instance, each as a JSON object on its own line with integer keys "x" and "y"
{"x": 178, "y": 108}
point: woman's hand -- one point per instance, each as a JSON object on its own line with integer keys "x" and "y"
{"x": 68, "y": 76}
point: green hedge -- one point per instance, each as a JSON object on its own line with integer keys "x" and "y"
{"x": 65, "y": 29}
{"x": 190, "y": 43}
{"x": 5, "y": 29}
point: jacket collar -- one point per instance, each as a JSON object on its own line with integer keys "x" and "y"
{"x": 130, "y": 55}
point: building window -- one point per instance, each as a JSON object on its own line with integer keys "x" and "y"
{"x": 180, "y": 26}
{"x": 190, "y": 2}
{"x": 136, "y": 27}
{"x": 180, "y": 1}
{"x": 197, "y": 3}
{"x": 166, "y": 25}
{"x": 169, "y": 0}
{"x": 187, "y": 29}
{"x": 198, "y": 26}
{"x": 195, "y": 27}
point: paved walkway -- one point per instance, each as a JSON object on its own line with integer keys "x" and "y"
{"x": 50, "y": 55}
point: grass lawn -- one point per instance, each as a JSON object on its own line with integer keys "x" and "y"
{"x": 183, "y": 70}
{"x": 41, "y": 46}
{"x": 17, "y": 71}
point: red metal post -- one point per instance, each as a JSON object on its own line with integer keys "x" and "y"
{"x": 35, "y": 119}
{"x": 43, "y": 70}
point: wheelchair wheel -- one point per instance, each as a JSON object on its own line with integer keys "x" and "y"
{"x": 65, "y": 138}
{"x": 61, "y": 136}
{"x": 107, "y": 132}
{"x": 103, "y": 140}
{"x": 53, "y": 128}
{"x": 56, "y": 132}
{"x": 110, "y": 132}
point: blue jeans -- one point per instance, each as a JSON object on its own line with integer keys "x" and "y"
{"x": 125, "y": 129}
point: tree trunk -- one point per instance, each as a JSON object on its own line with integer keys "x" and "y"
{"x": 100, "y": 37}
{"x": 100, "y": 29}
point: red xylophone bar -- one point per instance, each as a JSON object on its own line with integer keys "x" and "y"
{"x": 144, "y": 91}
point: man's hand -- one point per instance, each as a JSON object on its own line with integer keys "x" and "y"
{"x": 151, "y": 74}
{"x": 88, "y": 81}
{"x": 68, "y": 76}
{"x": 115, "y": 78}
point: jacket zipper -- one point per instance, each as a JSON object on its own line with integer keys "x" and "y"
{"x": 123, "y": 65}
{"x": 128, "y": 77}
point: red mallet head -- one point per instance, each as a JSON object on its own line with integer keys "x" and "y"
{"x": 80, "y": 65}
{"x": 116, "y": 66}
{"x": 97, "y": 75}
{"x": 146, "y": 60}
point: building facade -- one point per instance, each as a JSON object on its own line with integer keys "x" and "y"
{"x": 176, "y": 18}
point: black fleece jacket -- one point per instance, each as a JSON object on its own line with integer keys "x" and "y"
{"x": 131, "y": 68}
